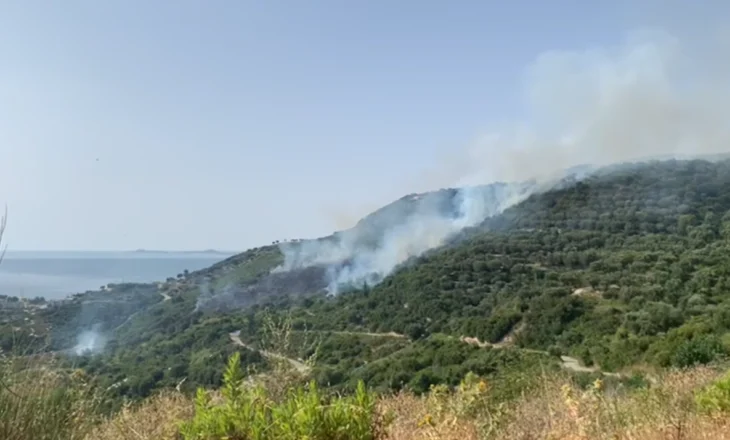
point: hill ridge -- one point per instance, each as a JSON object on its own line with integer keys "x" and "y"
{"x": 653, "y": 240}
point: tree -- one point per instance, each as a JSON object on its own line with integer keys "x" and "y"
{"x": 415, "y": 331}
{"x": 699, "y": 350}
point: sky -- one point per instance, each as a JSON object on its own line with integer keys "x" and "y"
{"x": 185, "y": 125}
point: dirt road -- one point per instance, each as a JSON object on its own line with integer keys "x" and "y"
{"x": 567, "y": 362}
{"x": 297, "y": 365}
{"x": 393, "y": 335}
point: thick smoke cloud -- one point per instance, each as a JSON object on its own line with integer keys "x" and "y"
{"x": 407, "y": 228}
{"x": 649, "y": 97}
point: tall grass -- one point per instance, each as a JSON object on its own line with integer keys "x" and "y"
{"x": 682, "y": 405}
{"x": 39, "y": 402}
{"x": 157, "y": 418}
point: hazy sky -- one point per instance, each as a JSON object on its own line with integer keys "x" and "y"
{"x": 229, "y": 124}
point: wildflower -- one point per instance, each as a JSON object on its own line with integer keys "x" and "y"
{"x": 427, "y": 420}
{"x": 598, "y": 385}
{"x": 567, "y": 392}
{"x": 483, "y": 386}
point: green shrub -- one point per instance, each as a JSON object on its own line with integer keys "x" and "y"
{"x": 715, "y": 398}
{"x": 699, "y": 350}
{"x": 555, "y": 351}
{"x": 250, "y": 413}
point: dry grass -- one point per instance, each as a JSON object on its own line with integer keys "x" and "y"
{"x": 157, "y": 418}
{"x": 559, "y": 410}
{"x": 44, "y": 404}
{"x": 664, "y": 411}
{"x": 413, "y": 421}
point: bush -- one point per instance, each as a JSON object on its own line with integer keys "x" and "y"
{"x": 555, "y": 351}
{"x": 715, "y": 398}
{"x": 697, "y": 351}
{"x": 416, "y": 331}
{"x": 250, "y": 413}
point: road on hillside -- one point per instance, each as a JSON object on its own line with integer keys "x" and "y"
{"x": 301, "y": 367}
{"x": 567, "y": 362}
{"x": 354, "y": 333}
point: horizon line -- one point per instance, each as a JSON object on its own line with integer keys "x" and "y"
{"x": 127, "y": 251}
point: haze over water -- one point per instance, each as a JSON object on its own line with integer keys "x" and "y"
{"x": 55, "y": 275}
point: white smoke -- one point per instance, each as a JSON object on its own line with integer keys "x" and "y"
{"x": 647, "y": 97}
{"x": 370, "y": 251}
{"x": 89, "y": 342}
{"x": 650, "y": 96}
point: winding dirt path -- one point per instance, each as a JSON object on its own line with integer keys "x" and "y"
{"x": 567, "y": 362}
{"x": 573, "y": 364}
{"x": 393, "y": 335}
{"x": 300, "y": 367}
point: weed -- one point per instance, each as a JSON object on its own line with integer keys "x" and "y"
{"x": 304, "y": 413}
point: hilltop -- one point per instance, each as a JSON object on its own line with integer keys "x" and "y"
{"x": 617, "y": 267}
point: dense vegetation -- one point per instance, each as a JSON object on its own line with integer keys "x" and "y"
{"x": 40, "y": 401}
{"x": 623, "y": 267}
{"x": 627, "y": 266}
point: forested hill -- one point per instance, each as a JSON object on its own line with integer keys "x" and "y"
{"x": 629, "y": 199}
{"x": 618, "y": 264}
{"x": 629, "y": 265}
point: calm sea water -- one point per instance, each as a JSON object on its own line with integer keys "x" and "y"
{"x": 55, "y": 275}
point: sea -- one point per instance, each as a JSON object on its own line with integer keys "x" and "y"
{"x": 56, "y": 275}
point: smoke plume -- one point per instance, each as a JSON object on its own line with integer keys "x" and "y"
{"x": 404, "y": 229}
{"x": 90, "y": 341}
{"x": 650, "y": 97}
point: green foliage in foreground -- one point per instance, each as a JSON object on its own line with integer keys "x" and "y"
{"x": 249, "y": 413}
{"x": 716, "y": 397}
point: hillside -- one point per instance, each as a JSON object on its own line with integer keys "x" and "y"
{"x": 628, "y": 265}
{"x": 363, "y": 254}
